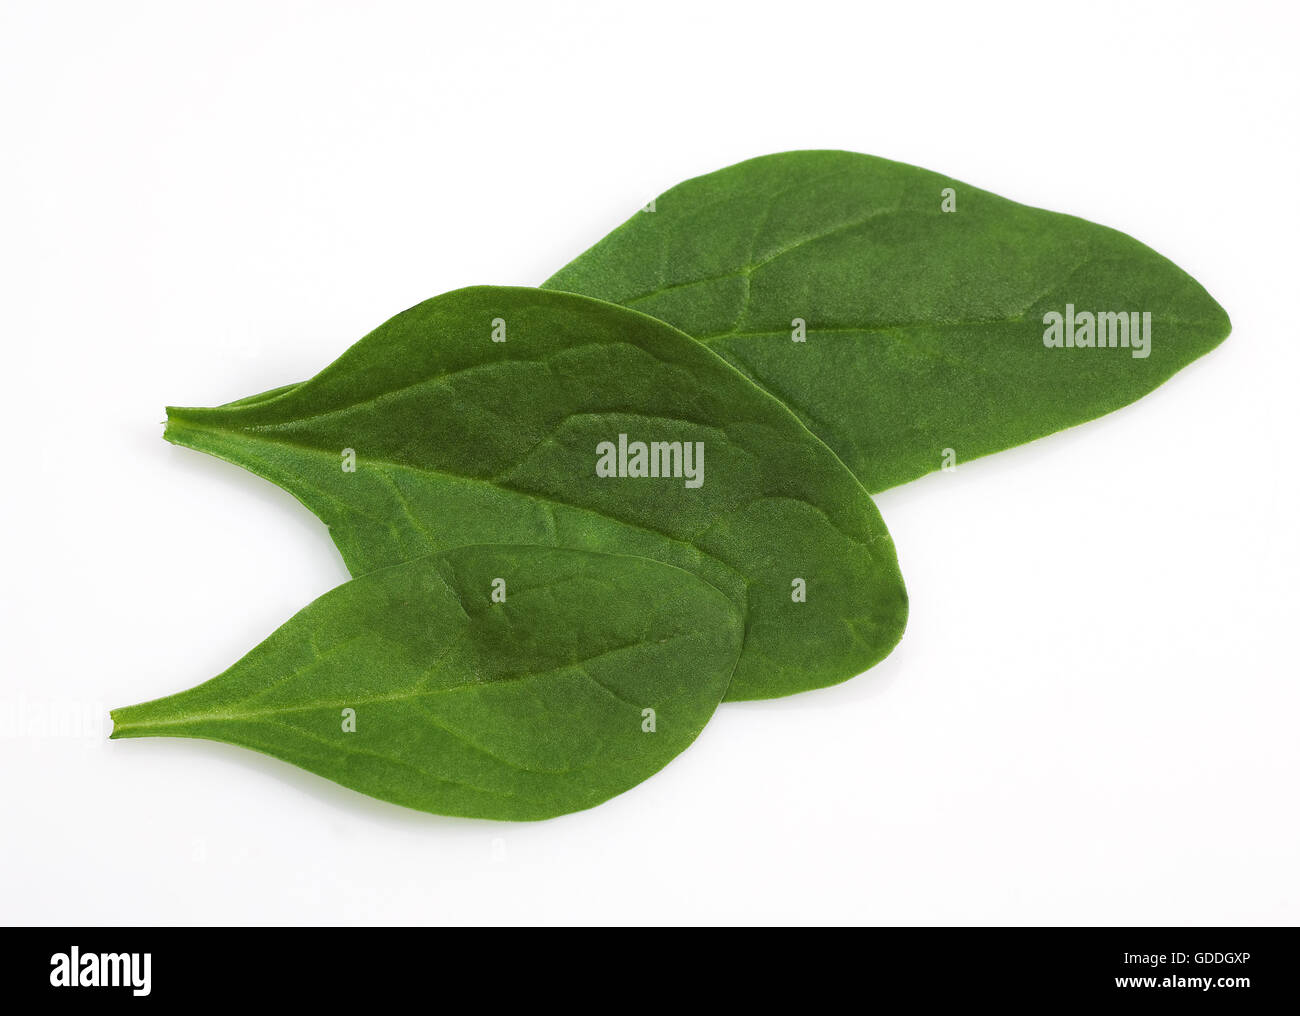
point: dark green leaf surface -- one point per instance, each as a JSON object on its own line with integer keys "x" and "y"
{"x": 522, "y": 709}
{"x": 924, "y": 327}
{"x": 462, "y": 440}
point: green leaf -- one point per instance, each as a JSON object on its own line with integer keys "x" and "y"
{"x": 459, "y": 439}
{"x": 592, "y": 674}
{"x": 924, "y": 327}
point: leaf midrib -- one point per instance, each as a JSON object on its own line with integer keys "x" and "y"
{"x": 413, "y": 694}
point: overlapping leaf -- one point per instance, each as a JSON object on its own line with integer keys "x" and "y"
{"x": 583, "y": 675}
{"x": 477, "y": 417}
{"x": 896, "y": 314}
{"x": 921, "y": 301}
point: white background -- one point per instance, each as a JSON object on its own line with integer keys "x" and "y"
{"x": 1093, "y": 715}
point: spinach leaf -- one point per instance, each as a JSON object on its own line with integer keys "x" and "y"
{"x": 486, "y": 415}
{"x": 492, "y": 681}
{"x": 920, "y": 302}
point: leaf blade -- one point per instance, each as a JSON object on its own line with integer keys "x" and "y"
{"x": 522, "y": 710}
{"x": 463, "y": 440}
{"x": 923, "y": 327}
